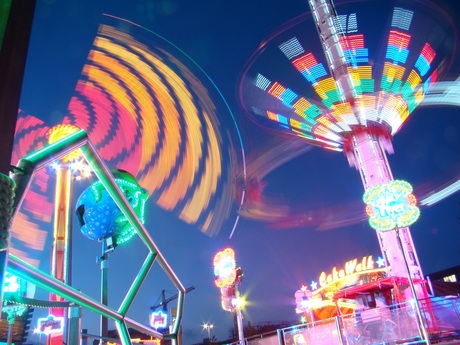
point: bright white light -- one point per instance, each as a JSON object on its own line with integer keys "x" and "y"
{"x": 314, "y": 285}
{"x": 380, "y": 262}
{"x": 208, "y": 326}
{"x": 55, "y": 165}
{"x": 237, "y": 302}
{"x": 442, "y": 194}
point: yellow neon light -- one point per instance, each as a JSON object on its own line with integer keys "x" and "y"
{"x": 272, "y": 116}
{"x": 414, "y": 79}
{"x": 324, "y": 86}
{"x": 393, "y": 71}
{"x": 342, "y": 109}
{"x": 324, "y": 121}
{"x": 350, "y": 267}
{"x": 363, "y": 72}
{"x": 58, "y": 132}
{"x": 369, "y": 101}
{"x": 295, "y": 123}
{"x": 300, "y": 106}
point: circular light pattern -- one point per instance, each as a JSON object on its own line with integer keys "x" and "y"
{"x": 225, "y": 268}
{"x": 391, "y": 205}
{"x": 100, "y": 217}
{"x": 150, "y": 110}
{"x": 287, "y": 88}
{"x": 61, "y": 131}
{"x": 165, "y": 113}
{"x": 300, "y": 96}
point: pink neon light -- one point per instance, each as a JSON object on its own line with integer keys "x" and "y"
{"x": 158, "y": 319}
{"x": 276, "y": 90}
{"x": 428, "y": 53}
{"x": 399, "y": 39}
{"x": 352, "y": 42}
{"x": 434, "y": 77}
{"x": 50, "y": 324}
{"x": 305, "y": 62}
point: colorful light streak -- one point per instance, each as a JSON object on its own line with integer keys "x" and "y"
{"x": 359, "y": 112}
{"x": 387, "y": 98}
{"x": 225, "y": 268}
{"x": 151, "y": 111}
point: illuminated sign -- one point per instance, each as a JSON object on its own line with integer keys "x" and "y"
{"x": 50, "y": 324}
{"x": 225, "y": 267}
{"x": 158, "y": 319}
{"x": 302, "y": 299}
{"x": 391, "y": 205}
{"x": 351, "y": 267}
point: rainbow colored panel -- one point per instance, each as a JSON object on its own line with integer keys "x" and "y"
{"x": 300, "y": 125}
{"x": 362, "y": 77}
{"x": 276, "y": 90}
{"x": 287, "y": 97}
{"x": 353, "y": 49}
{"x": 313, "y": 112}
{"x": 309, "y": 67}
{"x": 391, "y": 77}
{"x": 284, "y": 94}
{"x": 307, "y": 110}
{"x": 390, "y": 65}
{"x": 397, "y": 46}
{"x": 281, "y": 119}
{"x": 423, "y": 62}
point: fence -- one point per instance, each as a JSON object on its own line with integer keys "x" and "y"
{"x": 390, "y": 325}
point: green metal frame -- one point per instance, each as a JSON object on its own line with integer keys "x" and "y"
{"x": 23, "y": 175}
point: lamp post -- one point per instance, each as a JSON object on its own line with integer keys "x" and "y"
{"x": 208, "y": 327}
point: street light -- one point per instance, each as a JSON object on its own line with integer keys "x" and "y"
{"x": 208, "y": 327}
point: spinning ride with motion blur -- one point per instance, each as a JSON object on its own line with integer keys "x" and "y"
{"x": 352, "y": 89}
{"x": 148, "y": 109}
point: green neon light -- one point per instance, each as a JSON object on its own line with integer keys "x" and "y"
{"x": 391, "y": 205}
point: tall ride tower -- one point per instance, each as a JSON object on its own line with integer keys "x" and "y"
{"x": 352, "y": 89}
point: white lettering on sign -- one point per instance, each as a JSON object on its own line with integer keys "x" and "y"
{"x": 390, "y": 205}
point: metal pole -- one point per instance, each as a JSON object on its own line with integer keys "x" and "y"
{"x": 9, "y": 339}
{"x": 239, "y": 320}
{"x": 74, "y": 325}
{"x": 420, "y": 323}
{"x": 104, "y": 294}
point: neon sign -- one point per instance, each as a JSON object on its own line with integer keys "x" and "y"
{"x": 351, "y": 267}
{"x": 225, "y": 268}
{"x": 390, "y": 205}
{"x": 50, "y": 324}
{"x": 158, "y": 319}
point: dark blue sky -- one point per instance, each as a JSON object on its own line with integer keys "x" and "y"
{"x": 220, "y": 36}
